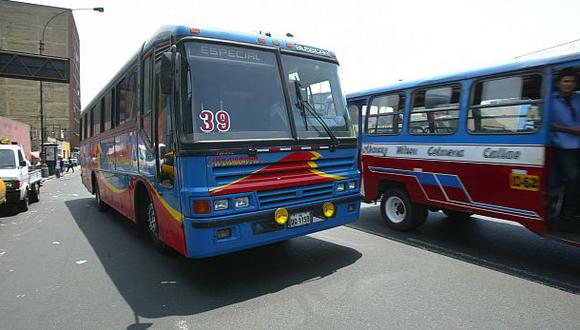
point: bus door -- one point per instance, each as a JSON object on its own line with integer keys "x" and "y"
{"x": 168, "y": 207}
{"x": 557, "y": 191}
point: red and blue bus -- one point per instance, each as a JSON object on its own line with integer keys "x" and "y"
{"x": 474, "y": 142}
{"x": 219, "y": 141}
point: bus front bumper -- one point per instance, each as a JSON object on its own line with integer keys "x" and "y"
{"x": 223, "y": 235}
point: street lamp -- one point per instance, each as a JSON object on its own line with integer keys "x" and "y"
{"x": 43, "y": 165}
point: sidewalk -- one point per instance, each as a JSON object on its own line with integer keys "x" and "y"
{"x": 63, "y": 174}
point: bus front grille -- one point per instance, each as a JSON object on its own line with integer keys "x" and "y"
{"x": 286, "y": 196}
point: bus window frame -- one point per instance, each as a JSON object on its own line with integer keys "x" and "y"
{"x": 542, "y": 101}
{"x": 378, "y": 115}
{"x": 425, "y": 88}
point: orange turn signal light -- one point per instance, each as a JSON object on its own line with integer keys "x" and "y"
{"x": 201, "y": 206}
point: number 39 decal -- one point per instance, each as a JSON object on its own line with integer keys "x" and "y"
{"x": 221, "y": 118}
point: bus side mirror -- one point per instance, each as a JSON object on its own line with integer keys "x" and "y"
{"x": 166, "y": 79}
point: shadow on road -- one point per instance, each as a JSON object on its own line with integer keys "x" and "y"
{"x": 498, "y": 245}
{"x": 157, "y": 286}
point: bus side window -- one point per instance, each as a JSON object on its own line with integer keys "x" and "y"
{"x": 146, "y": 116}
{"x": 353, "y": 112}
{"x": 435, "y": 110}
{"x": 92, "y": 126}
{"x": 85, "y": 126}
{"x": 102, "y": 115}
{"x": 127, "y": 97}
{"x": 164, "y": 132}
{"x": 386, "y": 114}
{"x": 509, "y": 105}
{"x": 108, "y": 110}
{"x": 81, "y": 123}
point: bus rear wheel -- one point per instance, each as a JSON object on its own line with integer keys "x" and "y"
{"x": 153, "y": 226}
{"x": 399, "y": 212}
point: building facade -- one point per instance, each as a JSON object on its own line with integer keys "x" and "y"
{"x": 21, "y": 27}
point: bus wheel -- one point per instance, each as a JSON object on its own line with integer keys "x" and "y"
{"x": 399, "y": 213}
{"x": 101, "y": 206}
{"x": 457, "y": 215}
{"x": 153, "y": 226}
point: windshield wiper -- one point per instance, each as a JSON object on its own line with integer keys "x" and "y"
{"x": 304, "y": 105}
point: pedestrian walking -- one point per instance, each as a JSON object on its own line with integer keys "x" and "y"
{"x": 70, "y": 165}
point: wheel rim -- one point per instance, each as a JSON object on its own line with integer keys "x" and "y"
{"x": 151, "y": 219}
{"x": 395, "y": 209}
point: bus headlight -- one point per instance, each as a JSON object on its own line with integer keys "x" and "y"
{"x": 352, "y": 185}
{"x": 328, "y": 209}
{"x": 340, "y": 187}
{"x": 281, "y": 216}
{"x": 241, "y": 202}
{"x": 220, "y": 204}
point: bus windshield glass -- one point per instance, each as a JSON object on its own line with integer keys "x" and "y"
{"x": 233, "y": 93}
{"x": 318, "y": 84}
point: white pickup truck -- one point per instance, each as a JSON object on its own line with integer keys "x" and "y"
{"x": 22, "y": 182}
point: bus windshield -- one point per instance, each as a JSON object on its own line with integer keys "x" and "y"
{"x": 236, "y": 94}
{"x": 320, "y": 88}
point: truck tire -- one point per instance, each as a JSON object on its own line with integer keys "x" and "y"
{"x": 35, "y": 193}
{"x": 399, "y": 212}
{"x": 23, "y": 204}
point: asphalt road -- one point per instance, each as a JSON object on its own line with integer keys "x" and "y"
{"x": 64, "y": 265}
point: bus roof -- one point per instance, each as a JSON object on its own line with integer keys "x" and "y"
{"x": 515, "y": 65}
{"x": 179, "y": 31}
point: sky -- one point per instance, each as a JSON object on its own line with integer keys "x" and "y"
{"x": 376, "y": 42}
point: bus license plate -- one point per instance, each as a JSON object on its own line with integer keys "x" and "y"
{"x": 524, "y": 182}
{"x": 299, "y": 219}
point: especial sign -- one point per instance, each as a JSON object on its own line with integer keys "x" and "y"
{"x": 221, "y": 52}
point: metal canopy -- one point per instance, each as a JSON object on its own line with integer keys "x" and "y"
{"x": 34, "y": 67}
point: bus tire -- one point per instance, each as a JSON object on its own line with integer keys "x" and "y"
{"x": 101, "y": 206}
{"x": 457, "y": 215}
{"x": 153, "y": 226}
{"x": 35, "y": 193}
{"x": 399, "y": 212}
{"x": 23, "y": 205}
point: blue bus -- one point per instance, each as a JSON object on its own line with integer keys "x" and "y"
{"x": 472, "y": 142}
{"x": 219, "y": 141}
